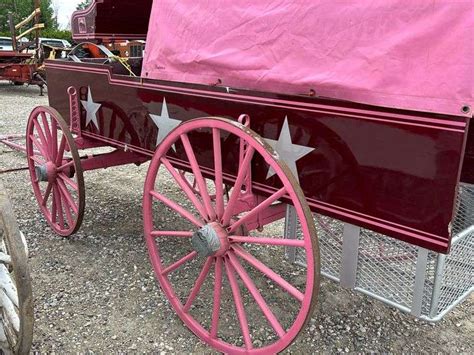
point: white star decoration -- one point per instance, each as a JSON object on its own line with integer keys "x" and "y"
{"x": 164, "y": 123}
{"x": 91, "y": 108}
{"x": 289, "y": 152}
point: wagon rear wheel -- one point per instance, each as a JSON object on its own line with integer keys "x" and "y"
{"x": 55, "y": 170}
{"x": 236, "y": 292}
{"x": 16, "y": 300}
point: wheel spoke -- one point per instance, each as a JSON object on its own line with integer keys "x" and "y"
{"x": 41, "y": 133}
{"x": 9, "y": 310}
{"x": 47, "y": 133}
{"x": 67, "y": 210}
{"x": 180, "y": 262}
{"x": 180, "y": 234}
{"x": 217, "y": 298}
{"x": 54, "y": 208}
{"x": 239, "y": 305}
{"x": 46, "y": 194}
{"x": 216, "y": 136}
{"x": 173, "y": 205}
{"x": 198, "y": 284}
{"x": 37, "y": 160}
{"x": 267, "y": 241}
{"x": 243, "y": 170}
{"x": 65, "y": 166}
{"x": 59, "y": 205}
{"x": 258, "y": 209}
{"x": 186, "y": 188}
{"x": 62, "y": 147}
{"x": 38, "y": 145}
{"x": 68, "y": 181}
{"x": 54, "y": 138}
{"x": 68, "y": 197}
{"x": 249, "y": 284}
{"x": 5, "y": 258}
{"x": 257, "y": 264}
{"x": 198, "y": 176}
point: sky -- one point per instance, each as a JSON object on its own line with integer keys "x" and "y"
{"x": 65, "y": 10}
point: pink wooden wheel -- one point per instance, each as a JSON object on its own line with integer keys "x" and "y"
{"x": 55, "y": 170}
{"x": 236, "y": 292}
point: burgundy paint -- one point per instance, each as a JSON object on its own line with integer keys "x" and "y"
{"x": 112, "y": 20}
{"x": 395, "y": 172}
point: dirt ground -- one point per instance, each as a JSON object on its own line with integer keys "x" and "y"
{"x": 96, "y": 292}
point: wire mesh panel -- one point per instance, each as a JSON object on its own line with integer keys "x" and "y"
{"x": 386, "y": 267}
{"x": 457, "y": 277}
{"x": 465, "y": 209}
{"x": 330, "y": 242}
{"x": 424, "y": 283}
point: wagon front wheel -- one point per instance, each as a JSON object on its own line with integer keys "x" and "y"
{"x": 221, "y": 261}
{"x": 55, "y": 170}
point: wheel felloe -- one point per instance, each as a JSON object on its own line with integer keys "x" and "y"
{"x": 55, "y": 170}
{"x": 219, "y": 268}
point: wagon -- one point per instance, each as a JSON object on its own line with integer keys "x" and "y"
{"x": 254, "y": 150}
{"x": 16, "y": 65}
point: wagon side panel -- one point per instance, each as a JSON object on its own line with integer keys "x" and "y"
{"x": 393, "y": 172}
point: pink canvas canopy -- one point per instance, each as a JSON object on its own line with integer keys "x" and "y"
{"x": 405, "y": 54}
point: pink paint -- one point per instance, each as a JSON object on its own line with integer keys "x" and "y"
{"x": 403, "y": 54}
{"x": 233, "y": 252}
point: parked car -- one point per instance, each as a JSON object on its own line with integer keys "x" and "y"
{"x": 6, "y": 43}
{"x": 55, "y": 42}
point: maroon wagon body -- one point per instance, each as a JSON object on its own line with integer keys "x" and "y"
{"x": 393, "y": 171}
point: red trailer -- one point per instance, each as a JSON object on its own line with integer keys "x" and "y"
{"x": 249, "y": 174}
{"x": 15, "y": 67}
{"x": 19, "y": 65}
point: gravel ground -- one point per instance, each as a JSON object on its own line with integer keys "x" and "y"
{"x": 95, "y": 292}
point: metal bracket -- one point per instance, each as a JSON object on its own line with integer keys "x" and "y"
{"x": 75, "y": 113}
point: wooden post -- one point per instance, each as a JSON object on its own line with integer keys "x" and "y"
{"x": 12, "y": 31}
{"x": 37, "y": 22}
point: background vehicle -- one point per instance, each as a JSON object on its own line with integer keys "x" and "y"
{"x": 55, "y": 42}
{"x": 6, "y": 43}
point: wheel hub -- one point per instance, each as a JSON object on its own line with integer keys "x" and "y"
{"x": 46, "y": 172}
{"x": 210, "y": 240}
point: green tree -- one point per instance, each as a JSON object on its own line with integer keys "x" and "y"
{"x": 83, "y": 4}
{"x": 23, "y": 8}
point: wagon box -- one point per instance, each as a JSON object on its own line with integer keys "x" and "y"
{"x": 273, "y": 122}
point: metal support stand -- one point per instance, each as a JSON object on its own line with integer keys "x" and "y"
{"x": 350, "y": 256}
{"x": 420, "y": 275}
{"x": 290, "y": 231}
